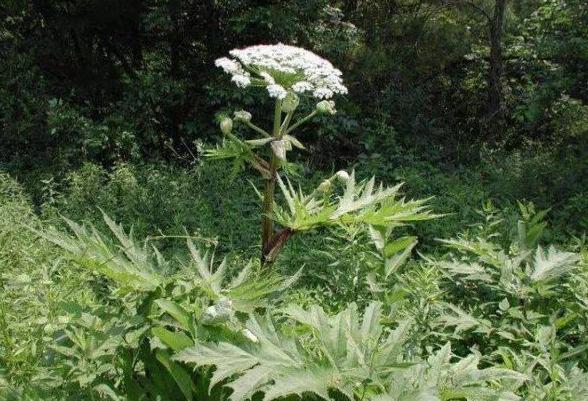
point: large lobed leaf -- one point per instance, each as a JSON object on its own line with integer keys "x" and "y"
{"x": 346, "y": 354}
{"x": 360, "y": 203}
{"x": 132, "y": 266}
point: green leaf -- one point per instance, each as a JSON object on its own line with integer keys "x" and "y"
{"x": 504, "y": 305}
{"x": 228, "y": 359}
{"x": 394, "y": 260}
{"x": 399, "y": 245}
{"x": 176, "y": 340}
{"x": 315, "y": 380}
{"x": 177, "y": 312}
{"x": 249, "y": 383}
{"x": 360, "y": 204}
{"x": 552, "y": 264}
{"x": 180, "y": 376}
{"x": 129, "y": 265}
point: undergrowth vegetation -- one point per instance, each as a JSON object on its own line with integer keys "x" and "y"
{"x": 355, "y": 292}
{"x": 494, "y": 313}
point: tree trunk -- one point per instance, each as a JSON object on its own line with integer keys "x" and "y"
{"x": 494, "y": 102}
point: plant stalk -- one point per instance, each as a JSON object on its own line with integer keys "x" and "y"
{"x": 300, "y": 122}
{"x": 267, "y": 225}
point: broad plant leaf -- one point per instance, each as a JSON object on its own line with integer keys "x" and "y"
{"x": 347, "y": 353}
{"x": 360, "y": 203}
{"x": 131, "y": 266}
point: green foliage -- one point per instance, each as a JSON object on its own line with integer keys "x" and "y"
{"x": 35, "y": 282}
{"x": 145, "y": 291}
{"x": 106, "y": 109}
{"x": 341, "y": 354}
{"x": 158, "y": 201}
{"x": 518, "y": 304}
{"x": 129, "y": 265}
{"x": 141, "y": 269}
{"x": 520, "y": 300}
{"x": 359, "y": 204}
{"x": 109, "y": 140}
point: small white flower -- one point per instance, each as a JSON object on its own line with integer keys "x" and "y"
{"x": 323, "y": 93}
{"x": 302, "y": 86}
{"x": 283, "y": 68}
{"x": 241, "y": 81}
{"x": 229, "y": 66}
{"x": 277, "y": 91}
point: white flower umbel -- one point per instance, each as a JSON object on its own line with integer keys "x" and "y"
{"x": 281, "y": 68}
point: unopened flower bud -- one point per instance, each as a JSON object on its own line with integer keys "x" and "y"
{"x": 226, "y": 125}
{"x": 325, "y": 186}
{"x": 326, "y": 107}
{"x": 342, "y": 175}
{"x": 290, "y": 102}
{"x": 242, "y": 115}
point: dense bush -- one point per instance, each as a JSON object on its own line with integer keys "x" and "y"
{"x": 134, "y": 78}
{"x": 37, "y": 285}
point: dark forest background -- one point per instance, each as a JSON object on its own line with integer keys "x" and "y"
{"x": 466, "y": 100}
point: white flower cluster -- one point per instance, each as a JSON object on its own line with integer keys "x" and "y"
{"x": 282, "y": 68}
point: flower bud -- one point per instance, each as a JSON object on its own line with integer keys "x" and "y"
{"x": 342, "y": 175}
{"x": 226, "y": 125}
{"x": 325, "y": 186}
{"x": 242, "y": 115}
{"x": 290, "y": 102}
{"x": 326, "y": 107}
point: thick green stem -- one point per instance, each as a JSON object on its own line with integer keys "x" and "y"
{"x": 267, "y": 226}
{"x": 300, "y": 122}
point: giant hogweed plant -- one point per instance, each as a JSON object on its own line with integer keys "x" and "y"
{"x": 311, "y": 352}
{"x": 291, "y": 75}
